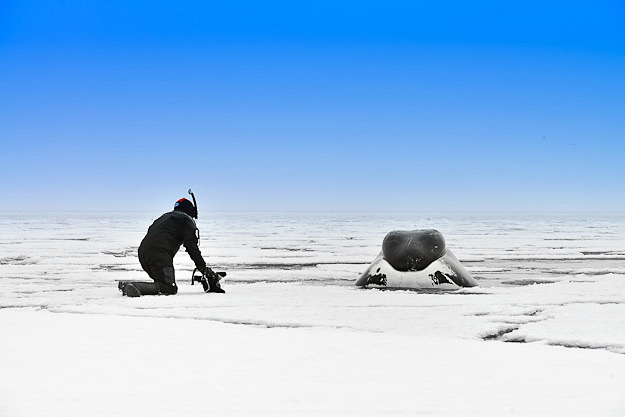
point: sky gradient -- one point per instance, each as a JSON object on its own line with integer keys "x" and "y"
{"x": 398, "y": 106}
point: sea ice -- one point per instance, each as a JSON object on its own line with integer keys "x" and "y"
{"x": 294, "y": 336}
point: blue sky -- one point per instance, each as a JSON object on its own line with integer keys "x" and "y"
{"x": 417, "y": 106}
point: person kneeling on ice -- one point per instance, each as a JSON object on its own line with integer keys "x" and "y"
{"x": 160, "y": 245}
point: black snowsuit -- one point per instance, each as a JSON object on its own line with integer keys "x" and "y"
{"x": 162, "y": 242}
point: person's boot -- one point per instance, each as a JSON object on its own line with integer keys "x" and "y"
{"x": 137, "y": 288}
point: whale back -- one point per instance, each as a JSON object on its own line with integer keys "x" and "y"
{"x": 413, "y": 250}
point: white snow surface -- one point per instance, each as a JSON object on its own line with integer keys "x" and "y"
{"x": 543, "y": 334}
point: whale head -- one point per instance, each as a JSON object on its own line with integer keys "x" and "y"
{"x": 416, "y": 259}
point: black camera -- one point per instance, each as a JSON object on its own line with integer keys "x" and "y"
{"x": 198, "y": 278}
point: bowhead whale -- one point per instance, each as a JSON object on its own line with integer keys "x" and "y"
{"x": 415, "y": 259}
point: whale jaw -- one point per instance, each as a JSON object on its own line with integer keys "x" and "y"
{"x": 443, "y": 273}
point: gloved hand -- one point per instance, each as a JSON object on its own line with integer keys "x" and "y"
{"x": 206, "y": 279}
{"x": 210, "y": 281}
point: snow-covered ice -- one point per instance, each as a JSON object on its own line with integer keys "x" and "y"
{"x": 543, "y": 334}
